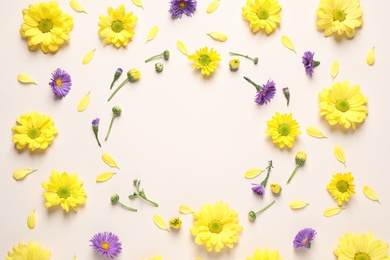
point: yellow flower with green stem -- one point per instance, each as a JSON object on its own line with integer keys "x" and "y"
{"x": 28, "y": 251}
{"x": 265, "y": 255}
{"x": 283, "y": 129}
{"x": 341, "y": 187}
{"x": 206, "y": 60}
{"x": 262, "y": 15}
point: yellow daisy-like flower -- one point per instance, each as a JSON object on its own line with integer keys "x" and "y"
{"x": 262, "y": 14}
{"x": 28, "y": 251}
{"x": 283, "y": 129}
{"x": 46, "y": 26}
{"x": 216, "y": 226}
{"x": 205, "y": 60}
{"x": 265, "y": 255}
{"x": 64, "y": 189}
{"x": 343, "y": 104}
{"x": 35, "y": 130}
{"x": 361, "y": 247}
{"x": 341, "y": 187}
{"x": 117, "y": 27}
{"x": 341, "y": 16}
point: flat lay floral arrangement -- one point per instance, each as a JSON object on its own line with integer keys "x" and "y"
{"x": 297, "y": 116}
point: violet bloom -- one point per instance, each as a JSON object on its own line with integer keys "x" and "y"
{"x": 106, "y": 244}
{"x": 286, "y": 93}
{"x": 60, "y": 83}
{"x": 304, "y": 237}
{"x": 95, "y": 128}
{"x": 266, "y": 93}
{"x": 259, "y": 189}
{"x": 180, "y": 7}
{"x": 309, "y": 62}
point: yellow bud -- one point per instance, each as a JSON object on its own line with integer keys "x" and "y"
{"x": 275, "y": 188}
{"x": 133, "y": 74}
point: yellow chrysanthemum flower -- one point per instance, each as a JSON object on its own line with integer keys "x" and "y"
{"x": 341, "y": 16}
{"x": 265, "y": 255}
{"x": 205, "y": 60}
{"x": 64, "y": 189}
{"x": 216, "y": 226}
{"x": 28, "y": 251}
{"x": 35, "y": 130}
{"x": 262, "y": 14}
{"x": 46, "y": 26}
{"x": 117, "y": 28}
{"x": 361, "y": 247}
{"x": 341, "y": 187}
{"x": 343, "y": 104}
{"x": 283, "y": 129}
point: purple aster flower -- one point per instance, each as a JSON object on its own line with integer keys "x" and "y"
{"x": 60, "y": 83}
{"x": 304, "y": 237}
{"x": 106, "y": 244}
{"x": 266, "y": 93}
{"x": 95, "y": 128}
{"x": 309, "y": 62}
{"x": 259, "y": 189}
{"x": 180, "y": 7}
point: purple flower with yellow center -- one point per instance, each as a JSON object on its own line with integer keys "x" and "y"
{"x": 60, "y": 83}
{"x": 309, "y": 62}
{"x": 180, "y": 7}
{"x": 264, "y": 93}
{"x": 106, "y": 244}
{"x": 304, "y": 237}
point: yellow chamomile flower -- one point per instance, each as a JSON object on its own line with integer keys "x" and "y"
{"x": 262, "y": 14}
{"x": 28, "y": 251}
{"x": 275, "y": 188}
{"x": 117, "y": 27}
{"x": 216, "y": 226}
{"x": 64, "y": 189}
{"x": 361, "y": 247}
{"x": 341, "y": 187}
{"x": 341, "y": 16}
{"x": 35, "y": 130}
{"x": 175, "y": 223}
{"x": 265, "y": 254}
{"x": 343, "y": 104}
{"x": 46, "y": 26}
{"x": 283, "y": 129}
{"x": 205, "y": 59}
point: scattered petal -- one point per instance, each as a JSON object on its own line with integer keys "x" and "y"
{"x": 182, "y": 47}
{"x": 339, "y": 154}
{"x": 22, "y": 173}
{"x": 332, "y": 211}
{"x": 186, "y": 209}
{"x": 109, "y": 160}
{"x": 83, "y": 104}
{"x": 288, "y": 43}
{"x": 88, "y": 57}
{"x": 252, "y": 173}
{"x": 74, "y": 257}
{"x": 218, "y": 36}
{"x": 138, "y": 3}
{"x": 160, "y": 222}
{"x": 152, "y": 33}
{"x": 298, "y": 204}
{"x": 31, "y": 220}
{"x": 370, "y": 193}
{"x": 314, "y": 132}
{"x": 76, "y": 6}
{"x": 105, "y": 176}
{"x": 26, "y": 79}
{"x": 370, "y": 57}
{"x": 212, "y": 6}
{"x": 334, "y": 69}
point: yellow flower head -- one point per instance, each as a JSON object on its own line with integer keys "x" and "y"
{"x": 35, "y": 130}
{"x": 283, "y": 129}
{"x": 265, "y": 254}
{"x": 28, "y": 251}
{"x": 262, "y": 14}
{"x": 361, "y": 247}
{"x": 216, "y": 226}
{"x": 133, "y": 74}
{"x": 175, "y": 223}
{"x": 341, "y": 16}
{"x": 205, "y": 60}
{"x": 300, "y": 158}
{"x": 341, "y": 187}
{"x": 46, "y": 26}
{"x": 275, "y": 188}
{"x": 64, "y": 189}
{"x": 117, "y": 27}
{"x": 343, "y": 104}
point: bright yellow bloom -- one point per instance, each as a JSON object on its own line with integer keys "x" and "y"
{"x": 341, "y": 16}
{"x": 343, "y": 104}
{"x": 265, "y": 255}
{"x": 205, "y": 60}
{"x": 175, "y": 223}
{"x": 64, "y": 189}
{"x": 46, "y": 26}
{"x": 361, "y": 247}
{"x": 262, "y": 14}
{"x": 117, "y": 28}
{"x": 341, "y": 187}
{"x": 35, "y": 130}
{"x": 28, "y": 251}
{"x": 216, "y": 226}
{"x": 283, "y": 129}
{"x": 275, "y": 188}
{"x": 133, "y": 74}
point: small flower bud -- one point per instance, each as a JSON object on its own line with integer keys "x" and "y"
{"x": 300, "y": 158}
{"x": 115, "y": 198}
{"x": 234, "y": 64}
{"x": 286, "y": 94}
{"x": 159, "y": 66}
{"x": 255, "y": 60}
{"x": 133, "y": 74}
{"x": 117, "y": 110}
{"x": 166, "y": 55}
{"x": 252, "y": 215}
{"x": 175, "y": 223}
{"x": 275, "y": 188}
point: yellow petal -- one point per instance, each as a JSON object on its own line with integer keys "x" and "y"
{"x": 160, "y": 222}
{"x": 370, "y": 193}
{"x": 212, "y": 6}
{"x": 252, "y": 173}
{"x": 105, "y": 176}
{"x": 26, "y": 79}
{"x": 370, "y": 57}
{"x": 218, "y": 36}
{"x": 138, "y": 3}
{"x": 332, "y": 211}
{"x": 76, "y": 6}
{"x": 334, "y": 69}
{"x": 84, "y": 102}
{"x": 314, "y": 132}
{"x": 88, "y": 57}
{"x": 298, "y": 204}
{"x": 186, "y": 209}
{"x": 109, "y": 160}
{"x": 181, "y": 47}
{"x": 152, "y": 33}
{"x": 31, "y": 221}
{"x": 22, "y": 173}
{"x": 339, "y": 154}
{"x": 199, "y": 258}
{"x": 74, "y": 257}
{"x": 288, "y": 43}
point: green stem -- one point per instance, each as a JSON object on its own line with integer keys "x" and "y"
{"x": 126, "y": 207}
{"x": 118, "y": 88}
{"x": 155, "y": 56}
{"x": 265, "y": 208}
{"x": 109, "y": 129}
{"x": 258, "y": 87}
{"x": 255, "y": 60}
{"x": 148, "y": 200}
{"x": 264, "y": 182}
{"x": 293, "y": 173}
{"x": 97, "y": 139}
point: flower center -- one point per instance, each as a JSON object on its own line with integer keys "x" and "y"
{"x": 33, "y": 133}
{"x": 339, "y": 15}
{"x": 362, "y": 256}
{"x": 204, "y": 60}
{"x": 262, "y": 14}
{"x": 342, "y": 105}
{"x": 342, "y": 186}
{"x": 63, "y": 192}
{"x": 105, "y": 246}
{"x": 182, "y": 5}
{"x": 284, "y": 129}
{"x": 117, "y": 26}
{"x": 304, "y": 240}
{"x": 215, "y": 226}
{"x": 45, "y": 25}
{"x": 59, "y": 82}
